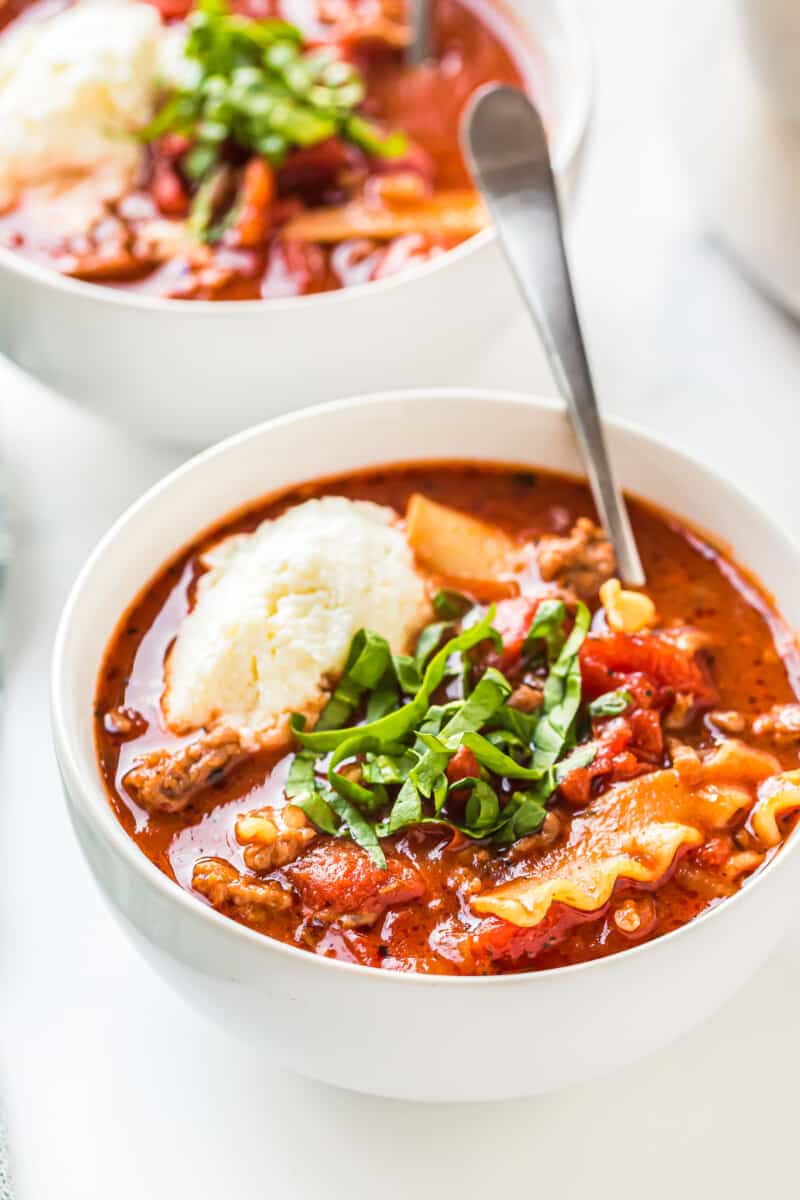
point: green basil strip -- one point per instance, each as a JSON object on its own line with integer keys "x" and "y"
{"x": 439, "y": 792}
{"x": 519, "y": 724}
{"x": 408, "y": 674}
{"x": 303, "y": 789}
{"x": 368, "y": 660}
{"x": 581, "y": 756}
{"x": 490, "y": 693}
{"x": 496, "y": 761}
{"x": 524, "y": 814}
{"x": 407, "y": 808}
{"x": 398, "y": 724}
{"x": 547, "y": 626}
{"x": 428, "y": 641}
{"x": 562, "y": 695}
{"x": 359, "y": 743}
{"x": 430, "y": 768}
{"x": 505, "y": 738}
{"x": 301, "y": 777}
{"x": 318, "y": 811}
{"x": 611, "y": 704}
{"x": 383, "y": 699}
{"x": 449, "y": 605}
{"x": 388, "y": 768}
{"x": 483, "y": 807}
{"x": 359, "y": 828}
{"x": 436, "y": 716}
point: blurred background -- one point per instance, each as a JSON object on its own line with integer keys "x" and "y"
{"x": 686, "y": 313}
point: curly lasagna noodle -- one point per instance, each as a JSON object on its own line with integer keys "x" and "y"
{"x": 412, "y": 719}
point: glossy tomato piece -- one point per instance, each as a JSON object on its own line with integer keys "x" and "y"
{"x": 512, "y": 621}
{"x": 506, "y": 945}
{"x": 336, "y": 879}
{"x": 463, "y": 765}
{"x": 607, "y": 661}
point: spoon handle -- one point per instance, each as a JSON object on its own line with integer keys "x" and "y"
{"x": 420, "y": 47}
{"x": 507, "y": 148}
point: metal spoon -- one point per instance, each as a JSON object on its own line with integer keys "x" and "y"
{"x": 506, "y": 147}
{"x": 420, "y": 47}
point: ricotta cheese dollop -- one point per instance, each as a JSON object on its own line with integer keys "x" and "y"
{"x": 277, "y": 609}
{"x": 75, "y": 87}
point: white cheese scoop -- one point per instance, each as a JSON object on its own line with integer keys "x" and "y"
{"x": 277, "y": 609}
{"x": 75, "y": 87}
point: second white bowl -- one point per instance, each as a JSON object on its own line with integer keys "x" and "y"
{"x": 191, "y": 372}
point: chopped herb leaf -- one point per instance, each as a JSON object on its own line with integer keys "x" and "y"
{"x": 428, "y": 641}
{"x": 359, "y": 828}
{"x": 407, "y": 808}
{"x": 611, "y": 704}
{"x": 318, "y": 811}
{"x": 450, "y": 606}
{"x": 562, "y": 695}
{"x": 368, "y": 660}
{"x": 483, "y": 807}
{"x": 547, "y": 626}
{"x": 401, "y": 755}
{"x": 407, "y": 670}
{"x": 491, "y": 691}
{"x": 403, "y": 720}
{"x": 253, "y": 84}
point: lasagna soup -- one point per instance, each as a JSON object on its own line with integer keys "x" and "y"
{"x": 412, "y": 719}
{"x": 240, "y": 149}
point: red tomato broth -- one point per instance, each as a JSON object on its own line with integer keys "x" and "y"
{"x": 754, "y": 666}
{"x": 476, "y": 42}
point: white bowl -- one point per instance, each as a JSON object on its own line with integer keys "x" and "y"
{"x": 405, "y": 1035}
{"x": 191, "y": 372}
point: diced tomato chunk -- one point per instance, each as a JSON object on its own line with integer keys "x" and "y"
{"x": 613, "y": 736}
{"x": 501, "y": 942}
{"x": 626, "y": 746}
{"x": 314, "y": 167}
{"x": 463, "y": 765}
{"x": 168, "y": 191}
{"x": 337, "y": 879}
{"x": 512, "y": 621}
{"x": 648, "y": 736}
{"x": 607, "y": 662}
{"x": 173, "y": 146}
{"x": 576, "y": 787}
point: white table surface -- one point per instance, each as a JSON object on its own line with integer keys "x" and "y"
{"x": 111, "y": 1086}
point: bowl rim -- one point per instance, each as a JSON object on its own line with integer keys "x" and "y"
{"x": 94, "y": 800}
{"x": 568, "y": 142}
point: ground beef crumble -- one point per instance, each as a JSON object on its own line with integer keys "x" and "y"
{"x": 166, "y": 780}
{"x": 582, "y": 560}
{"x": 223, "y": 886}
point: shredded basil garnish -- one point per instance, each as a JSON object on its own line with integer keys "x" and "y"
{"x": 367, "y": 781}
{"x": 451, "y": 606}
{"x": 254, "y": 86}
{"x": 611, "y": 704}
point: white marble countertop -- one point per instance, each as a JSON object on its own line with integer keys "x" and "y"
{"x": 110, "y": 1085}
